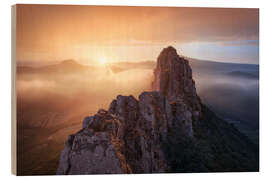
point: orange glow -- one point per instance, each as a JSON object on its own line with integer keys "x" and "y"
{"x": 49, "y": 33}
{"x": 103, "y": 61}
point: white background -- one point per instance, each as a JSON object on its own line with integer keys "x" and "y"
{"x": 5, "y": 85}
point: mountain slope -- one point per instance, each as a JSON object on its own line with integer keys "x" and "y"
{"x": 165, "y": 130}
{"x": 66, "y": 66}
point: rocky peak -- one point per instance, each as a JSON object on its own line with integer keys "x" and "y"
{"x": 165, "y": 130}
{"x": 173, "y": 78}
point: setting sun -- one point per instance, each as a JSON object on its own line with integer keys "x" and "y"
{"x": 103, "y": 61}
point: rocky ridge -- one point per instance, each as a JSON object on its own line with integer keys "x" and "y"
{"x": 165, "y": 130}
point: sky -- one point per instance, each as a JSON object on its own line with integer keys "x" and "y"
{"x": 89, "y": 34}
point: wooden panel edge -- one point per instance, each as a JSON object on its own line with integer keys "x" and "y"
{"x": 13, "y": 93}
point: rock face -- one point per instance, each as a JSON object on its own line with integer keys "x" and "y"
{"x": 166, "y": 130}
{"x": 173, "y": 78}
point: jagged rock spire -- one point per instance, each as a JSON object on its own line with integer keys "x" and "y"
{"x": 173, "y": 78}
{"x": 166, "y": 130}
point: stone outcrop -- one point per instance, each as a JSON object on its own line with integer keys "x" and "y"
{"x": 173, "y": 79}
{"x": 166, "y": 130}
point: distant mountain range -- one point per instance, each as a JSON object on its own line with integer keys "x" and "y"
{"x": 199, "y": 67}
{"x": 66, "y": 66}
{"x": 221, "y": 85}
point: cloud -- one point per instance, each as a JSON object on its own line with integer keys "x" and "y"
{"x": 50, "y": 32}
{"x": 44, "y": 25}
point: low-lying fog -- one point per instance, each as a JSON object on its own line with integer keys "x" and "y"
{"x": 52, "y": 104}
{"x": 74, "y": 94}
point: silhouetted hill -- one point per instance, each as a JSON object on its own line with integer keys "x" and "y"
{"x": 66, "y": 66}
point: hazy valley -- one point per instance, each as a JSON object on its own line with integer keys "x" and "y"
{"x": 70, "y": 91}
